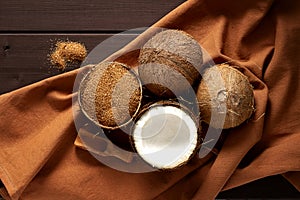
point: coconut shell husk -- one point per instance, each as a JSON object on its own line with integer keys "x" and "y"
{"x": 170, "y": 62}
{"x": 227, "y": 94}
{"x": 110, "y": 95}
{"x": 177, "y": 105}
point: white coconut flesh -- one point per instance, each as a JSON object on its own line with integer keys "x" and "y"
{"x": 165, "y": 136}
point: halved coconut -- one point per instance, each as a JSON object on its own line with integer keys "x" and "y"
{"x": 166, "y": 135}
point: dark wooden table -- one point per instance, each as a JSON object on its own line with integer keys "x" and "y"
{"x": 29, "y": 28}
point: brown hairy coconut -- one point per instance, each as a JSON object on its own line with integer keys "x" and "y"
{"x": 170, "y": 62}
{"x": 110, "y": 95}
{"x": 226, "y": 94}
{"x": 166, "y": 135}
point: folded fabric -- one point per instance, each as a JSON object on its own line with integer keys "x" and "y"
{"x": 38, "y": 158}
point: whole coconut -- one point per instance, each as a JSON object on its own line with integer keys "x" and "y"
{"x": 225, "y": 97}
{"x": 170, "y": 63}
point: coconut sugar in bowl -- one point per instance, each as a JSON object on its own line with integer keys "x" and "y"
{"x": 110, "y": 95}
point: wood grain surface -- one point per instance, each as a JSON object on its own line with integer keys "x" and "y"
{"x": 29, "y": 28}
{"x": 81, "y": 15}
{"x": 24, "y": 57}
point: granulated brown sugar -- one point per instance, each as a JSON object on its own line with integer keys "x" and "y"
{"x": 67, "y": 52}
{"x": 111, "y": 94}
{"x": 112, "y": 106}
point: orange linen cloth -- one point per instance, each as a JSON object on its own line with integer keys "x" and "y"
{"x": 38, "y": 158}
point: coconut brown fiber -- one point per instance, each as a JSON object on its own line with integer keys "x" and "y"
{"x": 170, "y": 62}
{"x": 227, "y": 94}
{"x": 67, "y": 52}
{"x": 110, "y": 94}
